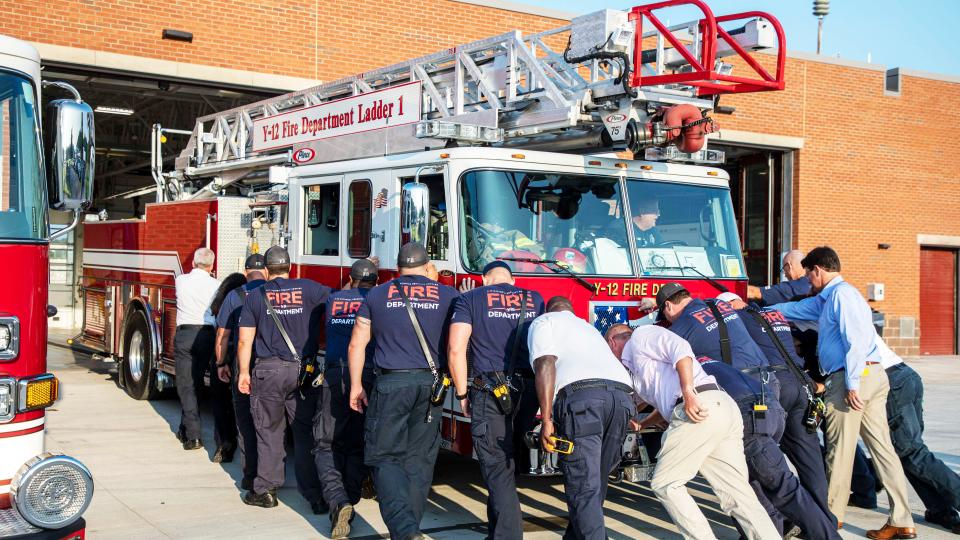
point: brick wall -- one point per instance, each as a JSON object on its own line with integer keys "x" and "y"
{"x": 874, "y": 168}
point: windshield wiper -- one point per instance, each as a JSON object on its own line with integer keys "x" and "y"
{"x": 709, "y": 279}
{"x": 556, "y": 268}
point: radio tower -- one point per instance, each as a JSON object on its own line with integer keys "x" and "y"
{"x": 820, "y": 10}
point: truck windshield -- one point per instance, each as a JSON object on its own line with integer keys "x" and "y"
{"x": 23, "y": 204}
{"x": 684, "y": 230}
{"x": 577, "y": 220}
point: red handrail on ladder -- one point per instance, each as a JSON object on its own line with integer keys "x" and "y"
{"x": 703, "y": 76}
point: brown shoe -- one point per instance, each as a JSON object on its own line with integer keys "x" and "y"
{"x": 888, "y": 532}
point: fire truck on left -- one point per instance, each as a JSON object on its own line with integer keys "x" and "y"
{"x": 42, "y": 494}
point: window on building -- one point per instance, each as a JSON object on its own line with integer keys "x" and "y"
{"x": 359, "y": 219}
{"x": 891, "y": 85}
{"x": 322, "y": 223}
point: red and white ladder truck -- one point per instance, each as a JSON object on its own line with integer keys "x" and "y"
{"x": 42, "y": 494}
{"x": 500, "y": 148}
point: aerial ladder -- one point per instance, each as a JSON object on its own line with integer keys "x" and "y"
{"x": 625, "y": 80}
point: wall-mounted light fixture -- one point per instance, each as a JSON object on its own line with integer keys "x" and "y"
{"x": 883, "y": 246}
{"x": 177, "y": 35}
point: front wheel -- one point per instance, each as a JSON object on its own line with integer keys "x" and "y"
{"x": 139, "y": 373}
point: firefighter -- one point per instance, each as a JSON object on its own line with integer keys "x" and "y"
{"x": 705, "y": 434}
{"x": 800, "y": 445}
{"x": 228, "y": 318}
{"x": 493, "y": 322}
{"x": 193, "y": 341}
{"x": 279, "y": 328}
{"x": 584, "y": 394}
{"x": 768, "y": 469}
{"x": 646, "y": 211}
{"x": 402, "y": 430}
{"x": 337, "y": 429}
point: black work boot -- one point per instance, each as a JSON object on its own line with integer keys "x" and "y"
{"x": 319, "y": 507}
{"x": 224, "y": 453}
{"x": 192, "y": 444}
{"x": 340, "y": 521}
{"x": 263, "y": 500}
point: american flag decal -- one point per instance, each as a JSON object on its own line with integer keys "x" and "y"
{"x": 380, "y": 200}
{"x": 607, "y": 316}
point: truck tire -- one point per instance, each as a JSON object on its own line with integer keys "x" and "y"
{"x": 139, "y": 368}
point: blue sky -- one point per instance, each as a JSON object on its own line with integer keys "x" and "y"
{"x": 918, "y": 34}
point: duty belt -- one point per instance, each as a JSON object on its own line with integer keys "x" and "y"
{"x": 382, "y": 371}
{"x": 702, "y": 388}
{"x": 592, "y": 383}
{"x": 760, "y": 369}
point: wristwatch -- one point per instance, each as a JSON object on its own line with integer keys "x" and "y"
{"x": 464, "y": 396}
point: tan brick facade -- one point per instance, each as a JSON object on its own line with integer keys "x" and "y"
{"x": 873, "y": 169}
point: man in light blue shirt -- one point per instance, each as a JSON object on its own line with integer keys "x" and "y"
{"x": 856, "y": 389}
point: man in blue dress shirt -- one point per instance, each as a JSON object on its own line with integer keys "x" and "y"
{"x": 856, "y": 388}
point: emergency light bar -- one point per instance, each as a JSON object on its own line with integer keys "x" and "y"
{"x": 671, "y": 153}
{"x": 463, "y": 132}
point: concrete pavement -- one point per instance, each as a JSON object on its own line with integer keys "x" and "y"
{"x": 148, "y": 487}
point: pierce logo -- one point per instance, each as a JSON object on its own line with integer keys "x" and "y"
{"x": 616, "y": 118}
{"x": 303, "y": 155}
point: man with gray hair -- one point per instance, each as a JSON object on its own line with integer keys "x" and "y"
{"x": 194, "y": 341}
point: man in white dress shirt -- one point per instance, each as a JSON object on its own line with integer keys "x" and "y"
{"x": 194, "y": 341}
{"x": 705, "y": 434}
{"x": 584, "y": 395}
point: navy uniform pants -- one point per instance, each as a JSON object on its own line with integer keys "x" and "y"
{"x": 275, "y": 402}
{"x": 338, "y": 437}
{"x": 401, "y": 447}
{"x": 495, "y": 441}
{"x": 192, "y": 352}
{"x": 936, "y": 484}
{"x": 801, "y": 447}
{"x": 596, "y": 420}
{"x": 778, "y": 489}
{"x": 247, "y": 432}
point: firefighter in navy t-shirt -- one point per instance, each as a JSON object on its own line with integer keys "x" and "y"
{"x": 403, "y": 427}
{"x": 337, "y": 429}
{"x": 693, "y": 320}
{"x": 802, "y": 447}
{"x": 779, "y": 490}
{"x": 276, "y": 399}
{"x": 488, "y": 320}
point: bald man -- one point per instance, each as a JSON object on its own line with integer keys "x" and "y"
{"x": 796, "y": 285}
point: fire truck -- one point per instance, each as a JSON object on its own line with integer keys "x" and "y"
{"x": 42, "y": 494}
{"x": 504, "y": 148}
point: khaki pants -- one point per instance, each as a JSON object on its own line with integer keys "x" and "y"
{"x": 844, "y": 425}
{"x": 713, "y": 447}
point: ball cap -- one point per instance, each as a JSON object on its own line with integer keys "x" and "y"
{"x": 497, "y": 264}
{"x": 277, "y": 256}
{"x": 255, "y": 262}
{"x": 363, "y": 270}
{"x": 666, "y": 291}
{"x": 728, "y": 296}
{"x": 412, "y": 255}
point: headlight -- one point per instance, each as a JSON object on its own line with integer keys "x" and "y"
{"x": 9, "y": 338}
{"x": 52, "y": 490}
{"x": 8, "y": 407}
{"x": 37, "y": 392}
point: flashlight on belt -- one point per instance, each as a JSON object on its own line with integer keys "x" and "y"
{"x": 440, "y": 388}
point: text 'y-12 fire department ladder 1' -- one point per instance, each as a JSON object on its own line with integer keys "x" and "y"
{"x": 605, "y": 91}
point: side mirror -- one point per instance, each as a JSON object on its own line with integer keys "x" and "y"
{"x": 415, "y": 214}
{"x": 71, "y": 154}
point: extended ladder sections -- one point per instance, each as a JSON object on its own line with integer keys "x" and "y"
{"x": 624, "y": 80}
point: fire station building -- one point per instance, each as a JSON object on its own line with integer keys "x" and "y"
{"x": 858, "y": 156}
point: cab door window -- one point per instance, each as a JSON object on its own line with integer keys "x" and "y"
{"x": 321, "y": 219}
{"x": 359, "y": 218}
{"x": 438, "y": 229}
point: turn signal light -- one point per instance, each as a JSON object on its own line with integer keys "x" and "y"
{"x": 38, "y": 392}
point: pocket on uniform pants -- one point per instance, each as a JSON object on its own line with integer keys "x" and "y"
{"x": 261, "y": 378}
{"x": 584, "y": 418}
